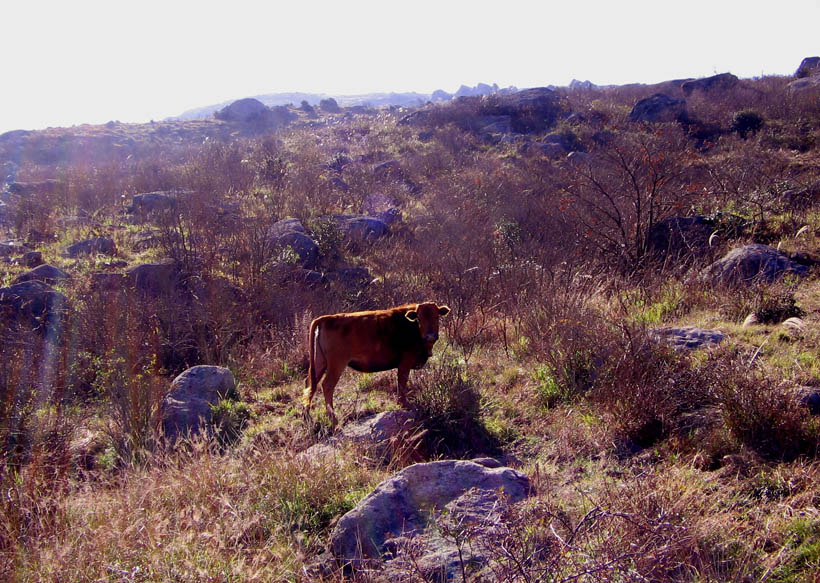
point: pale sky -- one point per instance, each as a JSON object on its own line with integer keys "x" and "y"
{"x": 69, "y": 62}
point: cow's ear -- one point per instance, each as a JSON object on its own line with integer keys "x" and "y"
{"x": 411, "y": 315}
{"x": 443, "y": 310}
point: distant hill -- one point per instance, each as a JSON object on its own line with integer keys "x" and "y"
{"x": 370, "y": 99}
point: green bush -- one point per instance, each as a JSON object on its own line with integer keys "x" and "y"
{"x": 745, "y": 122}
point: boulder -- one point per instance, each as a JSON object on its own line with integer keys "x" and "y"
{"x": 805, "y": 84}
{"x": 155, "y": 279}
{"x": 45, "y": 273}
{"x": 677, "y": 236}
{"x": 809, "y": 397}
{"x": 360, "y": 228}
{"x": 291, "y": 233}
{"x": 530, "y": 110}
{"x": 31, "y": 259}
{"x": 809, "y": 67}
{"x": 385, "y": 435}
{"x": 289, "y": 225}
{"x": 721, "y": 82}
{"x": 751, "y": 263}
{"x": 689, "y": 337}
{"x": 329, "y": 105}
{"x": 33, "y": 302}
{"x": 658, "y": 108}
{"x": 352, "y": 278}
{"x": 405, "y": 505}
{"x": 145, "y": 203}
{"x": 49, "y": 186}
{"x": 12, "y": 247}
{"x": 186, "y": 409}
{"x": 104, "y": 245}
{"x": 243, "y": 110}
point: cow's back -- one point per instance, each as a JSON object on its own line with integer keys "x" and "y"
{"x": 372, "y": 341}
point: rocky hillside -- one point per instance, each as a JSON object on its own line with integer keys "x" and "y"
{"x": 626, "y": 386}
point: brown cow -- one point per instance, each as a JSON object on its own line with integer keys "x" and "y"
{"x": 400, "y": 337}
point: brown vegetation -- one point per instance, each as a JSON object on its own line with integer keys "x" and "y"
{"x": 650, "y": 464}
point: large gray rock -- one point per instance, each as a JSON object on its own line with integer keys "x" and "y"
{"x": 386, "y": 435}
{"x": 360, "y": 228}
{"x": 45, "y": 273}
{"x": 808, "y": 67}
{"x": 751, "y": 263}
{"x": 186, "y": 409}
{"x": 155, "y": 279}
{"x": 805, "y": 84}
{"x": 721, "y": 82}
{"x": 34, "y": 303}
{"x": 243, "y": 110}
{"x": 104, "y": 245}
{"x": 658, "y": 108}
{"x": 49, "y": 186}
{"x": 689, "y": 337}
{"x": 291, "y": 233}
{"x": 145, "y": 203}
{"x": 402, "y": 506}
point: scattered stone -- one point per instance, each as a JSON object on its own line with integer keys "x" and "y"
{"x": 186, "y": 409}
{"x": 403, "y": 505}
{"x": 659, "y": 108}
{"x": 103, "y": 245}
{"x": 689, "y": 337}
{"x": 45, "y": 273}
{"x": 751, "y": 263}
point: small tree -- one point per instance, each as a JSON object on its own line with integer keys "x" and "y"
{"x": 633, "y": 182}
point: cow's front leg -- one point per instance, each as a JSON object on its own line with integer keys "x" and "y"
{"x": 403, "y": 374}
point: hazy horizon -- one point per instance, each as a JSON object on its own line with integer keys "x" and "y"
{"x": 92, "y": 61}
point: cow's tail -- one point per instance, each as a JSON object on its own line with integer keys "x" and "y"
{"x": 311, "y": 381}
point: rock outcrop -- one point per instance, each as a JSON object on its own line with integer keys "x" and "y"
{"x": 104, "y": 245}
{"x": 45, "y": 273}
{"x": 751, "y": 263}
{"x": 721, "y": 82}
{"x": 407, "y": 504}
{"x": 658, "y": 108}
{"x": 291, "y": 233}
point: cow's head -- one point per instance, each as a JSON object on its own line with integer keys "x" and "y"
{"x": 427, "y": 315}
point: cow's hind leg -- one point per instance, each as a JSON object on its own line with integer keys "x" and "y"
{"x": 316, "y": 370}
{"x": 334, "y": 372}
